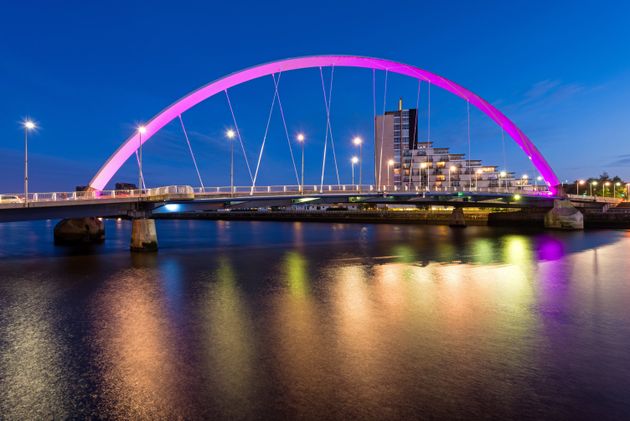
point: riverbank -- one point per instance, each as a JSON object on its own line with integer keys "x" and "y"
{"x": 526, "y": 217}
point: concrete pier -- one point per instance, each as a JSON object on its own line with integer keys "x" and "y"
{"x": 564, "y": 216}
{"x": 143, "y": 235}
{"x": 457, "y": 219}
{"x": 79, "y": 231}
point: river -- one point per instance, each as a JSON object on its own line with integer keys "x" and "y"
{"x": 261, "y": 320}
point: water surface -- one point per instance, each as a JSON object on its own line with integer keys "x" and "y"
{"x": 251, "y": 320}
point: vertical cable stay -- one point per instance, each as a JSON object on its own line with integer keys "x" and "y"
{"x": 144, "y": 186}
{"x": 380, "y": 159}
{"x": 416, "y": 131}
{"x": 321, "y": 183}
{"x": 429, "y": 113}
{"x": 192, "y": 155}
{"x": 286, "y": 131}
{"x": 238, "y": 133}
{"x": 503, "y": 147}
{"x": 262, "y": 147}
{"x": 374, "y": 117}
{"x": 469, "y": 168}
{"x": 327, "y": 105}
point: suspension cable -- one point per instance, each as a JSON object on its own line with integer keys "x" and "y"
{"x": 321, "y": 183}
{"x": 380, "y": 159}
{"x": 192, "y": 155}
{"x": 286, "y": 131}
{"x": 327, "y": 105}
{"x": 262, "y": 147}
{"x": 374, "y": 116}
{"x": 415, "y": 134}
{"x": 238, "y": 134}
{"x": 469, "y": 168}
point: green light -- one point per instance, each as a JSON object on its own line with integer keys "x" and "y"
{"x": 517, "y": 197}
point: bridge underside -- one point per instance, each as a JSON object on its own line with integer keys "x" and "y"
{"x": 131, "y": 207}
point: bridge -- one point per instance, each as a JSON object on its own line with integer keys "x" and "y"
{"x": 142, "y": 204}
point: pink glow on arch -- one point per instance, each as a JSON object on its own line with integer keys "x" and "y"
{"x": 129, "y": 147}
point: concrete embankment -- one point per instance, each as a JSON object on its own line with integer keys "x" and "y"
{"x": 377, "y": 217}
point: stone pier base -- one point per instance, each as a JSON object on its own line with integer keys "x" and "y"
{"x": 143, "y": 235}
{"x": 79, "y": 231}
{"x": 564, "y": 216}
{"x": 457, "y": 218}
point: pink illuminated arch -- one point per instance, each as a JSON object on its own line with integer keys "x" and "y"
{"x": 130, "y": 146}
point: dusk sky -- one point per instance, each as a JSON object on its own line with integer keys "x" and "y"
{"x": 89, "y": 72}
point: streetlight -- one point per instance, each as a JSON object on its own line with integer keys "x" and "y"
{"x": 577, "y": 186}
{"x": 503, "y": 175}
{"x": 390, "y": 163}
{"x": 593, "y": 184}
{"x": 452, "y": 168}
{"x": 359, "y": 142}
{"x": 300, "y": 138}
{"x": 604, "y": 185}
{"x": 524, "y": 179}
{"x": 539, "y": 178}
{"x": 354, "y": 160}
{"x": 28, "y": 125}
{"x": 230, "y": 135}
{"x": 141, "y": 130}
{"x": 477, "y": 174}
{"x": 617, "y": 184}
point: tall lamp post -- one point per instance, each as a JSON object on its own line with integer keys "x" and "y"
{"x": 524, "y": 179}
{"x": 141, "y": 130}
{"x": 577, "y": 186}
{"x": 28, "y": 125}
{"x": 230, "y": 134}
{"x": 452, "y": 168}
{"x": 604, "y": 185}
{"x": 590, "y": 190}
{"x": 539, "y": 178}
{"x": 300, "y": 138}
{"x": 390, "y": 163}
{"x": 617, "y": 184}
{"x": 359, "y": 142}
{"x": 353, "y": 161}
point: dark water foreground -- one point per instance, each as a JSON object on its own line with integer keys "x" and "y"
{"x": 253, "y": 320}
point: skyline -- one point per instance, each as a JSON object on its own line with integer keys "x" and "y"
{"x": 560, "y": 97}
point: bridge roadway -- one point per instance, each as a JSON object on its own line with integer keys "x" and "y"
{"x": 181, "y": 199}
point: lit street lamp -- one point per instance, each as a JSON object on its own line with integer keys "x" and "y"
{"x": 141, "y": 130}
{"x": 617, "y": 184}
{"x": 606, "y": 184}
{"x": 452, "y": 168}
{"x": 503, "y": 175}
{"x": 539, "y": 178}
{"x": 390, "y": 163}
{"x": 230, "y": 135}
{"x": 300, "y": 138}
{"x": 577, "y": 186}
{"x": 593, "y": 184}
{"x": 359, "y": 142}
{"x": 354, "y": 160}
{"x": 28, "y": 125}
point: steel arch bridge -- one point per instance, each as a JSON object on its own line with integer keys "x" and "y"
{"x": 175, "y": 110}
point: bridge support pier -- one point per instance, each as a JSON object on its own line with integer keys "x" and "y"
{"x": 79, "y": 231}
{"x": 143, "y": 235}
{"x": 457, "y": 218}
{"x": 564, "y": 216}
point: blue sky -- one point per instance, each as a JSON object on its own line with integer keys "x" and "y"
{"x": 88, "y": 72}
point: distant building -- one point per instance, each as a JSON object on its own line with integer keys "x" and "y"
{"x": 420, "y": 165}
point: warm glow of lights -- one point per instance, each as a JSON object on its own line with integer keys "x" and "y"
{"x": 423, "y": 165}
{"x": 539, "y": 178}
{"x": 357, "y": 141}
{"x": 230, "y": 134}
{"x": 479, "y": 171}
{"x": 594, "y": 183}
{"x": 607, "y": 183}
{"x": 300, "y": 137}
{"x": 390, "y": 162}
{"x": 142, "y": 129}
{"x": 355, "y": 159}
{"x": 525, "y": 177}
{"x": 582, "y": 182}
{"x": 453, "y": 168}
{"x": 517, "y": 197}
{"x": 502, "y": 174}
{"x": 29, "y": 125}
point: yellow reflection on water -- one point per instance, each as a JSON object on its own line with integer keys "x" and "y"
{"x": 296, "y": 273}
{"x": 229, "y": 337}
